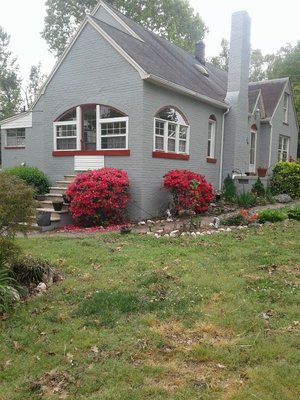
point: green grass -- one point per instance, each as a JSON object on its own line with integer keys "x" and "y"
{"x": 136, "y": 317}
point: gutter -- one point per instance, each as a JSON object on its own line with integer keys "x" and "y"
{"x": 181, "y": 89}
{"x": 222, "y": 148}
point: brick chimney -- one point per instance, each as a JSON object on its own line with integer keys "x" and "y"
{"x": 200, "y": 52}
{"x": 236, "y": 148}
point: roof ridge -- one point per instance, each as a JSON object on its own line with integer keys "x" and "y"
{"x": 113, "y": 27}
{"x": 265, "y": 81}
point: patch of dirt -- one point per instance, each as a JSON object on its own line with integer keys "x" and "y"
{"x": 187, "y": 338}
{"x": 52, "y": 383}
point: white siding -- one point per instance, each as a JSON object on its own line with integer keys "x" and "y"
{"x": 84, "y": 163}
{"x": 19, "y": 121}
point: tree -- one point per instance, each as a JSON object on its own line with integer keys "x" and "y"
{"x": 172, "y": 19}
{"x": 222, "y": 60}
{"x": 10, "y": 83}
{"x": 36, "y": 80}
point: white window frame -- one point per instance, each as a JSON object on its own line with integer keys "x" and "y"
{"x": 286, "y": 107}
{"x": 16, "y": 136}
{"x": 77, "y": 123}
{"x": 212, "y": 138}
{"x": 166, "y": 137}
{"x": 107, "y": 121}
{"x": 281, "y": 150}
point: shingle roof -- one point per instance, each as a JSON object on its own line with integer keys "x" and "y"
{"x": 271, "y": 91}
{"x": 163, "y": 59}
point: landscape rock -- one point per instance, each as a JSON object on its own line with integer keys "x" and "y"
{"x": 283, "y": 198}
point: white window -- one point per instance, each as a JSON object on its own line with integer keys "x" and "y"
{"x": 91, "y": 127}
{"x": 15, "y": 137}
{"x": 211, "y": 137}
{"x": 171, "y": 132}
{"x": 283, "y": 148}
{"x": 286, "y": 107}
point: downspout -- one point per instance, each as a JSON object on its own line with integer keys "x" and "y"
{"x": 222, "y": 148}
{"x": 271, "y": 142}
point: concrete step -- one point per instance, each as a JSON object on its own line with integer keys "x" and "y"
{"x": 48, "y": 204}
{"x": 63, "y": 184}
{"x": 69, "y": 178}
{"x": 54, "y": 214}
{"x": 51, "y": 197}
{"x": 58, "y": 190}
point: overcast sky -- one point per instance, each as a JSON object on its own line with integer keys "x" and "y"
{"x": 273, "y": 25}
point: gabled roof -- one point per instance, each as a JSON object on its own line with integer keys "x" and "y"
{"x": 271, "y": 91}
{"x": 161, "y": 58}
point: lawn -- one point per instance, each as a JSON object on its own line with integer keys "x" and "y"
{"x": 211, "y": 317}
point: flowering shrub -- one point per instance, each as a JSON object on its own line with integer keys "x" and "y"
{"x": 190, "y": 190}
{"x": 99, "y": 197}
{"x": 243, "y": 217}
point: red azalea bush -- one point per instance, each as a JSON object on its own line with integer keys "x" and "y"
{"x": 190, "y": 190}
{"x": 99, "y": 197}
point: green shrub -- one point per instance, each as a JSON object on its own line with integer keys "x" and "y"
{"x": 229, "y": 191}
{"x": 246, "y": 199}
{"x": 258, "y": 188}
{"x": 242, "y": 217}
{"x": 16, "y": 205}
{"x": 294, "y": 213}
{"x": 286, "y": 179}
{"x": 8, "y": 293}
{"x": 30, "y": 270}
{"x": 32, "y": 176}
{"x": 271, "y": 215}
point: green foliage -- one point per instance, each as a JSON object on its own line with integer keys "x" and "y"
{"x": 229, "y": 191}
{"x": 258, "y": 188}
{"x": 294, "y": 213}
{"x": 36, "y": 80}
{"x": 286, "y": 179}
{"x": 172, "y": 19}
{"x": 271, "y": 215}
{"x": 246, "y": 199}
{"x": 9, "y": 251}
{"x": 16, "y": 205}
{"x": 28, "y": 270}
{"x": 32, "y": 176}
{"x": 8, "y": 294}
{"x": 10, "y": 83}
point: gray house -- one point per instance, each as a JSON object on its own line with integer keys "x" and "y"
{"x": 121, "y": 96}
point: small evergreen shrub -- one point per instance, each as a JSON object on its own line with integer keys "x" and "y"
{"x": 258, "y": 188}
{"x": 246, "y": 199}
{"x": 32, "y": 176}
{"x": 99, "y": 197}
{"x": 271, "y": 215}
{"x": 190, "y": 191}
{"x": 229, "y": 191}
{"x": 294, "y": 213}
{"x": 286, "y": 179}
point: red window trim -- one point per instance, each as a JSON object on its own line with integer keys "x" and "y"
{"x": 69, "y": 153}
{"x": 14, "y": 147}
{"x": 175, "y": 156}
{"x": 211, "y": 160}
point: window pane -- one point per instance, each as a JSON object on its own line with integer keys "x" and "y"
{"x": 89, "y": 128}
{"x": 65, "y": 130}
{"x": 208, "y": 148}
{"x": 66, "y": 144}
{"x": 159, "y": 143}
{"x": 182, "y": 132}
{"x": 109, "y": 112}
{"x": 182, "y": 146}
{"x": 15, "y": 137}
{"x": 113, "y": 142}
{"x": 69, "y": 116}
{"x": 170, "y": 114}
{"x": 171, "y": 144}
{"x": 113, "y": 128}
{"x": 159, "y": 128}
{"x": 171, "y": 130}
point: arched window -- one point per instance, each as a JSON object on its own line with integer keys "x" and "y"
{"x": 211, "y": 138}
{"x": 171, "y": 131}
{"x": 91, "y": 127}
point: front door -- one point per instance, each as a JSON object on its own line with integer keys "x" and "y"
{"x": 252, "y": 162}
